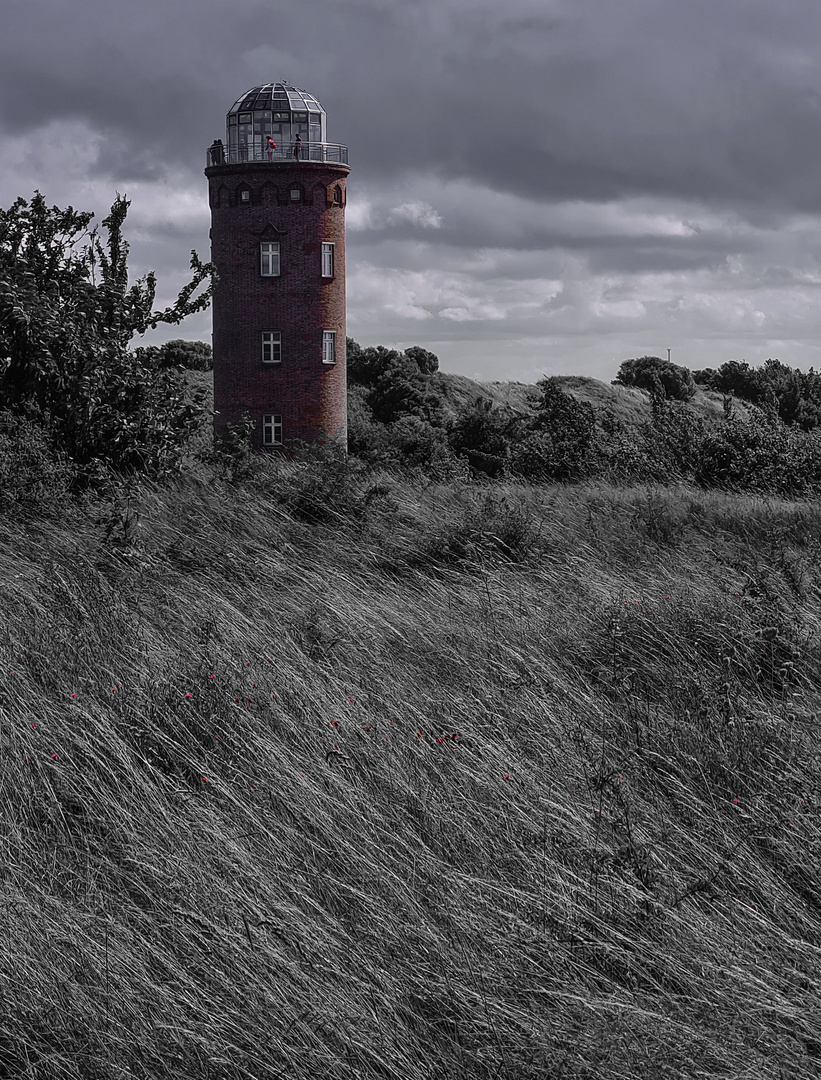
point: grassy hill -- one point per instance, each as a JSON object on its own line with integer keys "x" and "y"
{"x": 628, "y": 403}
{"x": 330, "y": 776}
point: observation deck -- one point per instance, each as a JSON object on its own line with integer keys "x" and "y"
{"x": 319, "y": 152}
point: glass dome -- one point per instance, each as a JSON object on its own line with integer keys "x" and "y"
{"x": 276, "y": 111}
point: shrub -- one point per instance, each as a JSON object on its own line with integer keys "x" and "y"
{"x": 482, "y": 435}
{"x": 673, "y": 441}
{"x": 761, "y": 454}
{"x": 192, "y": 355}
{"x": 417, "y": 442}
{"x": 67, "y": 315}
{"x": 231, "y": 453}
{"x": 738, "y": 378}
{"x": 562, "y": 441}
{"x": 793, "y": 395}
{"x": 647, "y": 372}
{"x": 426, "y": 361}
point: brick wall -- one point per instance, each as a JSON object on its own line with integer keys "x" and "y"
{"x": 309, "y": 396}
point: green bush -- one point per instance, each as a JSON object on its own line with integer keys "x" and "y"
{"x": 482, "y": 435}
{"x": 793, "y": 395}
{"x": 426, "y": 361}
{"x": 67, "y": 315}
{"x": 648, "y": 372}
{"x": 673, "y": 441}
{"x": 761, "y": 454}
{"x": 738, "y": 378}
{"x": 192, "y": 355}
{"x": 561, "y": 443}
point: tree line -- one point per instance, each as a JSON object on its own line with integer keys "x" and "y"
{"x": 77, "y": 401}
{"x": 399, "y": 415}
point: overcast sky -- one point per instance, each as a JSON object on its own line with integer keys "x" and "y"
{"x": 537, "y": 186}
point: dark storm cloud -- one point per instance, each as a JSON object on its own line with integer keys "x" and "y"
{"x": 599, "y": 101}
{"x": 580, "y": 99}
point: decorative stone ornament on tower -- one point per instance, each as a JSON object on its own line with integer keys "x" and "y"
{"x": 277, "y": 194}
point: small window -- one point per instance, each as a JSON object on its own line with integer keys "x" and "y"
{"x": 296, "y": 194}
{"x": 272, "y": 346}
{"x": 269, "y": 260}
{"x": 271, "y": 429}
{"x": 327, "y": 260}
{"x": 328, "y": 347}
{"x": 245, "y": 118}
{"x": 338, "y": 196}
{"x": 232, "y": 119}
{"x": 245, "y": 195}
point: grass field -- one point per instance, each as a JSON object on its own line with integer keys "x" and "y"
{"x": 330, "y": 775}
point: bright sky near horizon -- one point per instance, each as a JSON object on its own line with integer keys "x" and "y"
{"x": 537, "y": 187}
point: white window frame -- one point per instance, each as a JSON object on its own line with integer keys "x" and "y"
{"x": 245, "y": 195}
{"x": 296, "y": 194}
{"x": 328, "y": 346}
{"x": 327, "y": 260}
{"x": 269, "y": 259}
{"x": 272, "y": 346}
{"x": 271, "y": 429}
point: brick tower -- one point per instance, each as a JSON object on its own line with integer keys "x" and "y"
{"x": 278, "y": 244}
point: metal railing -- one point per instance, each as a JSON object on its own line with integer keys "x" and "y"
{"x": 334, "y": 153}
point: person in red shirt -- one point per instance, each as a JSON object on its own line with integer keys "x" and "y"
{"x": 271, "y": 147}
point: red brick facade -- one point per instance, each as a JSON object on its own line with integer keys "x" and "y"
{"x": 299, "y": 303}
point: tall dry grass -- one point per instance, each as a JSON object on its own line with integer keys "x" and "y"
{"x": 330, "y": 776}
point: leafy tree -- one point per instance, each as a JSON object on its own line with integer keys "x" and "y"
{"x": 399, "y": 389}
{"x": 365, "y": 366}
{"x": 562, "y": 443}
{"x": 192, "y": 355}
{"x": 646, "y": 372}
{"x": 67, "y": 315}
{"x": 780, "y": 390}
{"x": 418, "y": 442}
{"x": 737, "y": 377}
{"x": 705, "y": 377}
{"x": 426, "y": 361}
{"x": 398, "y": 383}
{"x": 482, "y": 435}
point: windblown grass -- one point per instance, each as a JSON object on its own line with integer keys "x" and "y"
{"x": 330, "y": 777}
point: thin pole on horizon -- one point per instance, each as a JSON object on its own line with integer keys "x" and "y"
{"x": 668, "y": 355}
